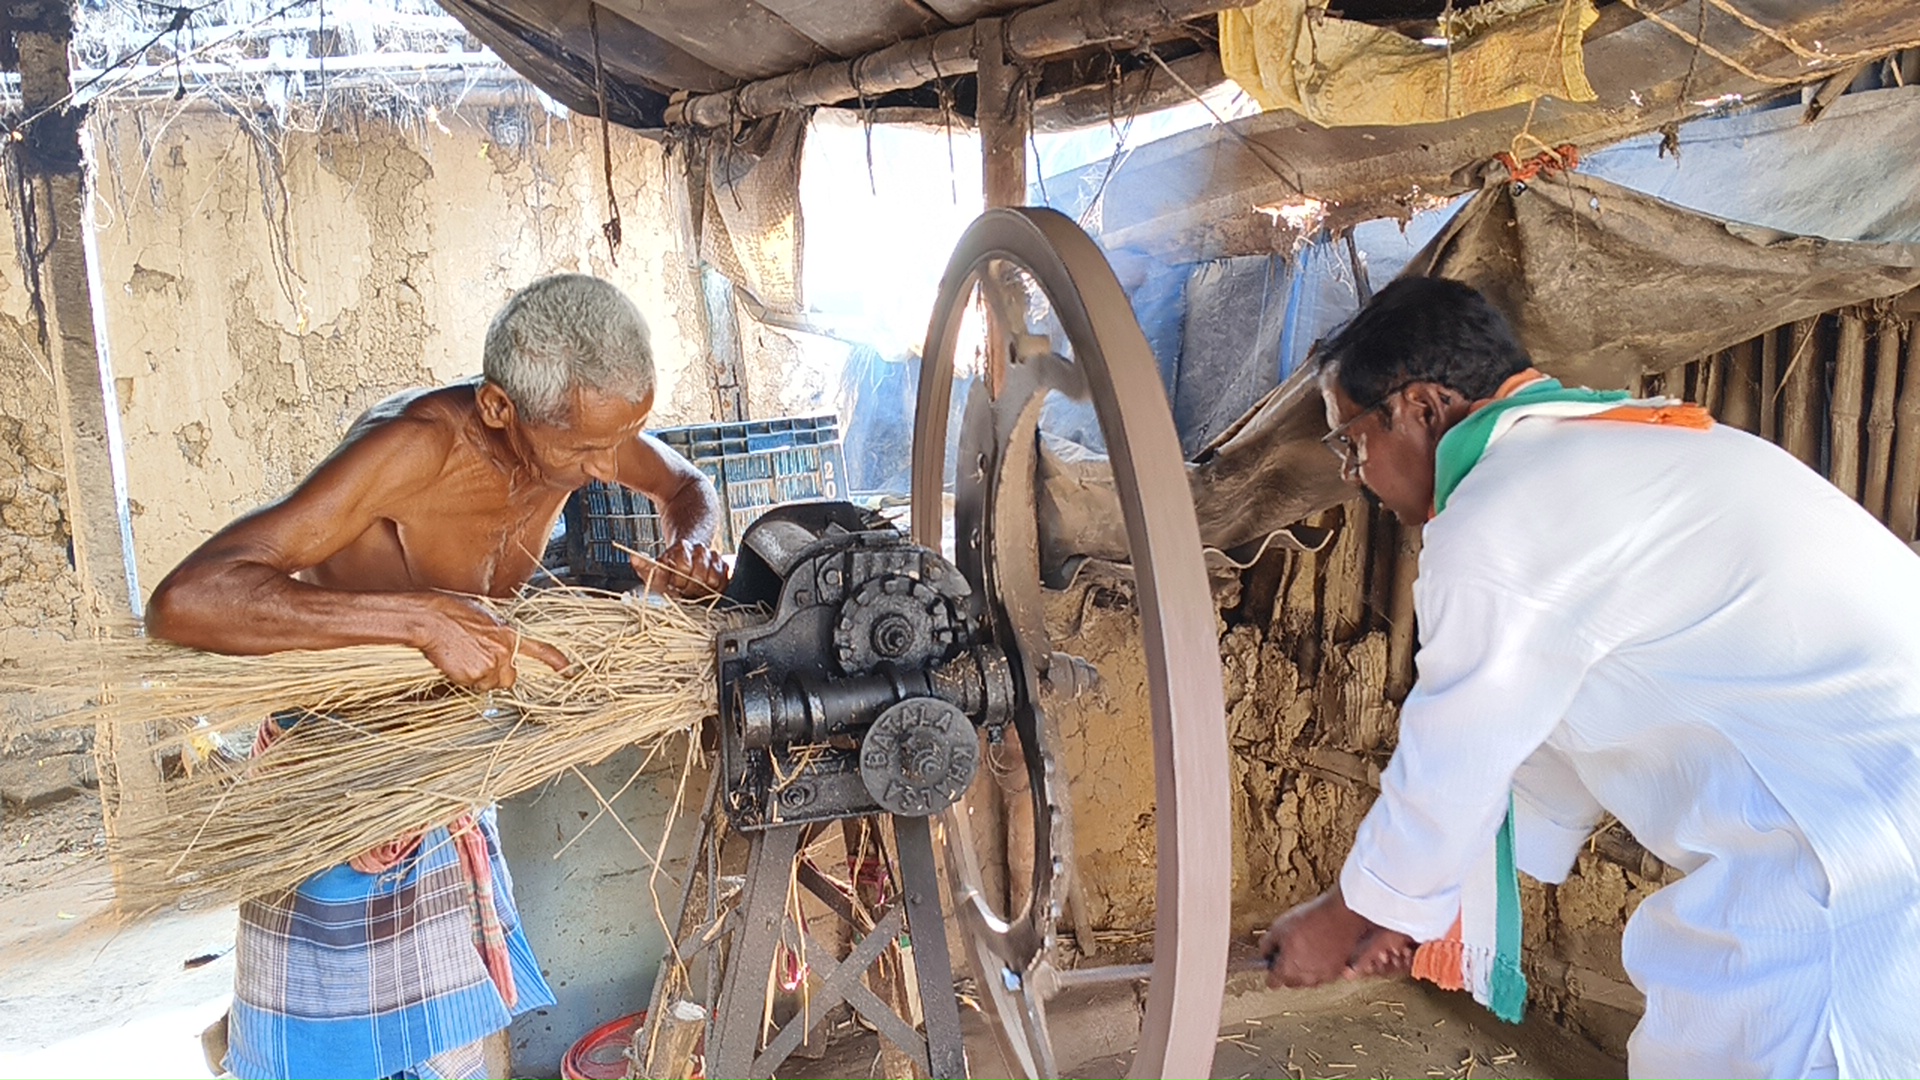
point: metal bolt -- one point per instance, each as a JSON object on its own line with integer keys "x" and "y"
{"x": 892, "y": 634}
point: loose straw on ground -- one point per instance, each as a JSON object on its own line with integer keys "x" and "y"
{"x": 383, "y": 747}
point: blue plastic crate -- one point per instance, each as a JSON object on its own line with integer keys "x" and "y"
{"x": 755, "y": 465}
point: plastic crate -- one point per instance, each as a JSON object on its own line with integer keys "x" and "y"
{"x": 755, "y": 465}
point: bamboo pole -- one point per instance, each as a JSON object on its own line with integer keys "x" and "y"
{"x": 1770, "y": 385}
{"x": 1849, "y": 396}
{"x": 1673, "y": 384}
{"x": 1739, "y": 400}
{"x": 1886, "y": 382}
{"x": 1904, "y": 502}
{"x": 1713, "y": 381}
{"x": 1003, "y": 109}
{"x": 1800, "y": 393}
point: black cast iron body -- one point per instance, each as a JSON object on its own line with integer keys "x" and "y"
{"x": 856, "y": 677}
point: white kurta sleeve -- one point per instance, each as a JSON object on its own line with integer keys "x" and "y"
{"x": 1553, "y": 814}
{"x": 1497, "y": 673}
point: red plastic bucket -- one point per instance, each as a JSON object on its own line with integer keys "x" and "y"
{"x": 602, "y": 1053}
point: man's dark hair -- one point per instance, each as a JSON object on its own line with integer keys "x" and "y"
{"x": 1423, "y": 329}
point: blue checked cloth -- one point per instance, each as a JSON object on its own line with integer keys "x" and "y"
{"x": 363, "y": 976}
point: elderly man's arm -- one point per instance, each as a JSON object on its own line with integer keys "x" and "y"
{"x": 237, "y": 592}
{"x": 689, "y": 506}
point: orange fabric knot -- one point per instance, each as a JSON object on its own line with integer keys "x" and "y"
{"x": 1442, "y": 962}
{"x": 1562, "y": 158}
{"x": 1680, "y": 415}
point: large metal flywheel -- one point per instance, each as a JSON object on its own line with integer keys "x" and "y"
{"x": 1058, "y": 326}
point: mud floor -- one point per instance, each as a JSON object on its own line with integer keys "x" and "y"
{"x": 49, "y": 845}
{"x": 1370, "y": 1029}
{"x": 1396, "y": 1029}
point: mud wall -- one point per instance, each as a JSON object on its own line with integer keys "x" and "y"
{"x": 38, "y": 589}
{"x": 1317, "y": 651}
{"x": 264, "y": 287}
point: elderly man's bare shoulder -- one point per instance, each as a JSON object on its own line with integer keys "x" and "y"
{"x": 449, "y": 407}
{"x": 412, "y": 442}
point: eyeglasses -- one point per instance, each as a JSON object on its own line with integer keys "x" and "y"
{"x": 1341, "y": 444}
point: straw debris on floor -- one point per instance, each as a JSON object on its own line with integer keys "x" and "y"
{"x": 383, "y": 746}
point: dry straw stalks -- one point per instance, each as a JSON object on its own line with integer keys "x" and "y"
{"x": 384, "y": 745}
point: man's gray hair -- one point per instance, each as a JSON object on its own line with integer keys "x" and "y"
{"x": 563, "y": 332}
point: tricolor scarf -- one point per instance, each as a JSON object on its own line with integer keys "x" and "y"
{"x": 1481, "y": 953}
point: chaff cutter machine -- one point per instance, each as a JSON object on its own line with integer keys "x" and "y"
{"x": 867, "y": 673}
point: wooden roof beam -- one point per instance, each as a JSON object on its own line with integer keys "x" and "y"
{"x": 1033, "y": 34}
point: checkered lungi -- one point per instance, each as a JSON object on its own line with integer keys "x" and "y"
{"x": 377, "y": 975}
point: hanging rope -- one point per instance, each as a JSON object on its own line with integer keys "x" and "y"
{"x": 611, "y": 230}
{"x": 1268, "y": 158}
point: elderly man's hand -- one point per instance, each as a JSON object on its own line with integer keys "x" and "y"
{"x": 688, "y": 571}
{"x": 1323, "y": 940}
{"x": 472, "y": 647}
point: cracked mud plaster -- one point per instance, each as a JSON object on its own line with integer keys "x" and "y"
{"x": 39, "y": 592}
{"x": 1291, "y": 830}
{"x": 1106, "y": 749}
{"x": 265, "y": 288}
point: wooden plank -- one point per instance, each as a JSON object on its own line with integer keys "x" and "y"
{"x": 1830, "y": 91}
{"x": 1713, "y": 381}
{"x": 1345, "y": 605}
{"x": 1676, "y": 382}
{"x": 1849, "y": 394}
{"x": 1880, "y": 424}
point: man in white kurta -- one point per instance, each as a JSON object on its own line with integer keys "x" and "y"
{"x": 1696, "y": 633}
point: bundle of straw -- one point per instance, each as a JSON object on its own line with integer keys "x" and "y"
{"x": 384, "y": 746}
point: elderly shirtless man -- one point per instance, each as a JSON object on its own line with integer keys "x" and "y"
{"x": 400, "y": 962}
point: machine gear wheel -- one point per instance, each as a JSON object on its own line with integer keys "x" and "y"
{"x": 897, "y": 620}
